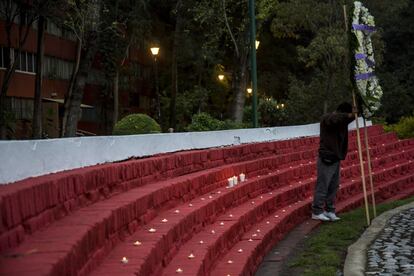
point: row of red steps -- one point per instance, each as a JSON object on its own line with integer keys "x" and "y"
{"x": 101, "y": 231}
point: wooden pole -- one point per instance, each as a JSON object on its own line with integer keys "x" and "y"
{"x": 374, "y": 207}
{"x": 361, "y": 162}
{"x": 358, "y": 136}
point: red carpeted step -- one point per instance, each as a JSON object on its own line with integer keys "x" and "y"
{"x": 147, "y": 261}
{"x": 198, "y": 269}
{"x": 246, "y": 255}
{"x": 90, "y": 244}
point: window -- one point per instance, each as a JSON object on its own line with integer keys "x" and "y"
{"x": 25, "y": 61}
{"x": 55, "y": 68}
{"x": 4, "y": 57}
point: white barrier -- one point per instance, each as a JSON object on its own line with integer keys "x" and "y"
{"x": 23, "y": 159}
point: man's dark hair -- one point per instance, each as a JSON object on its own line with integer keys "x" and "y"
{"x": 344, "y": 108}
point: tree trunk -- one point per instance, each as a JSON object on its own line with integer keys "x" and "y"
{"x": 3, "y": 108}
{"x": 37, "y": 104}
{"x": 239, "y": 86}
{"x": 75, "y": 99}
{"x": 116, "y": 98}
{"x": 71, "y": 86}
{"x": 174, "y": 72}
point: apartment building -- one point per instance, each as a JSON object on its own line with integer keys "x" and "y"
{"x": 136, "y": 91}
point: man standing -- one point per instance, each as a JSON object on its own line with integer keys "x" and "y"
{"x": 332, "y": 149}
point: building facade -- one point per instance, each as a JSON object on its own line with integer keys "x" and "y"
{"x": 136, "y": 91}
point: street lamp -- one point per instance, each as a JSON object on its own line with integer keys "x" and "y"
{"x": 154, "y": 52}
{"x": 253, "y": 43}
{"x": 249, "y": 90}
{"x": 257, "y": 44}
{"x": 221, "y": 77}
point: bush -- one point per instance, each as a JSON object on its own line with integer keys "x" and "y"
{"x": 205, "y": 122}
{"x": 136, "y": 124}
{"x": 404, "y": 128}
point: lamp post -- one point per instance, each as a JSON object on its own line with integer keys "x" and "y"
{"x": 221, "y": 77}
{"x": 253, "y": 58}
{"x": 154, "y": 52}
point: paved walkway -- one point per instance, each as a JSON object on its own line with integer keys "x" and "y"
{"x": 386, "y": 248}
{"x": 392, "y": 253}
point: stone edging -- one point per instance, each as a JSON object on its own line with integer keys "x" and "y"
{"x": 356, "y": 258}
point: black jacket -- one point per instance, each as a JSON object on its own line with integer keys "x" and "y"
{"x": 334, "y": 136}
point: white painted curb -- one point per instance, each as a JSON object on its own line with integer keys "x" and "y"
{"x": 23, "y": 159}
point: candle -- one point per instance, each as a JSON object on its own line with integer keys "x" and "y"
{"x": 179, "y": 270}
{"x": 229, "y": 261}
{"x": 124, "y": 260}
{"x": 250, "y": 240}
{"x": 240, "y": 250}
{"x": 235, "y": 180}
{"x": 231, "y": 182}
{"x": 164, "y": 220}
{"x": 177, "y": 211}
{"x": 221, "y": 223}
{"x": 137, "y": 243}
{"x": 191, "y": 256}
{"x": 152, "y": 230}
{"x": 201, "y": 242}
{"x": 242, "y": 177}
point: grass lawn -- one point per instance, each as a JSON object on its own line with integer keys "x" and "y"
{"x": 325, "y": 250}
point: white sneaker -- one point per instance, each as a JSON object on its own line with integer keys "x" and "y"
{"x": 331, "y": 216}
{"x": 321, "y": 217}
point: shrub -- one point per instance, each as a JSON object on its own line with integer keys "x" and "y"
{"x": 204, "y": 122}
{"x": 404, "y": 128}
{"x": 136, "y": 124}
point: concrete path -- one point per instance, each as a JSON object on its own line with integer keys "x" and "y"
{"x": 386, "y": 247}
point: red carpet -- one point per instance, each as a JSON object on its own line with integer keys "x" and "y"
{"x": 84, "y": 221}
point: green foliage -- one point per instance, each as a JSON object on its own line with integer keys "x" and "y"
{"x": 272, "y": 113}
{"x": 404, "y": 128}
{"x": 136, "y": 124}
{"x": 205, "y": 122}
{"x": 324, "y": 250}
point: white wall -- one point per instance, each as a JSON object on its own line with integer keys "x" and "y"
{"x": 23, "y": 159}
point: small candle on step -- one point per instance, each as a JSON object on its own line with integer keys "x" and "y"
{"x": 230, "y": 182}
{"x": 235, "y": 180}
{"x": 152, "y": 230}
{"x": 201, "y": 242}
{"x": 177, "y": 211}
{"x": 137, "y": 243}
{"x": 240, "y": 250}
{"x": 164, "y": 220}
{"x": 191, "y": 256}
{"x": 221, "y": 223}
{"x": 242, "y": 177}
{"x": 124, "y": 260}
{"x": 229, "y": 261}
{"x": 179, "y": 270}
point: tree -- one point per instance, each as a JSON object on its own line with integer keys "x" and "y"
{"x": 124, "y": 23}
{"x": 10, "y": 11}
{"x": 322, "y": 50}
{"x": 230, "y": 31}
{"x": 82, "y": 17}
